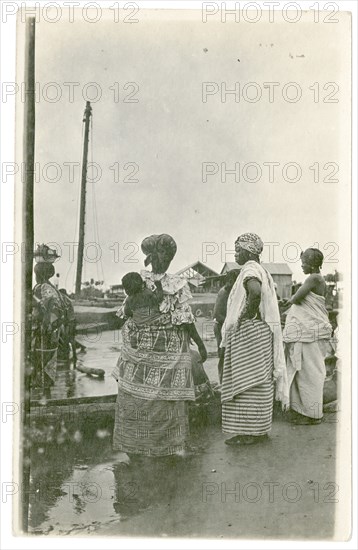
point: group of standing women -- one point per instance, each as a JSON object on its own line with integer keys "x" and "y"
{"x": 259, "y": 361}
{"x": 155, "y": 382}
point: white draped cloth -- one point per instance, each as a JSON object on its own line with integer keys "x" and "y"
{"x": 306, "y": 335}
{"x": 269, "y": 314}
{"x": 308, "y": 321}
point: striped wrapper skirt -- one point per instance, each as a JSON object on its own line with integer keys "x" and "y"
{"x": 248, "y": 388}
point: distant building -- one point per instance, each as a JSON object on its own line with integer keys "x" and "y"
{"x": 116, "y": 290}
{"x": 196, "y": 273}
{"x": 280, "y": 272}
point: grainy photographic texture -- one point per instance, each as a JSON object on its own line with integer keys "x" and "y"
{"x": 183, "y": 184}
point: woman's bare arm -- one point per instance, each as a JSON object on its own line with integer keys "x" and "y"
{"x": 194, "y": 335}
{"x": 308, "y": 285}
{"x": 253, "y": 290}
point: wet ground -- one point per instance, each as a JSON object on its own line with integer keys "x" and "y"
{"x": 102, "y": 351}
{"x": 281, "y": 488}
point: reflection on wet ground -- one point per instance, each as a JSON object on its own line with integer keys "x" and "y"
{"x": 78, "y": 486}
{"x": 59, "y": 490}
{"x": 102, "y": 351}
{"x": 65, "y": 460}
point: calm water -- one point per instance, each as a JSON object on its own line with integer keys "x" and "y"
{"x": 102, "y": 351}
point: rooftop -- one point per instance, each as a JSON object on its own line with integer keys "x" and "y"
{"x": 199, "y": 267}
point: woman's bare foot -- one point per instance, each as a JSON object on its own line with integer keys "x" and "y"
{"x": 233, "y": 440}
{"x": 306, "y": 421}
{"x": 301, "y": 420}
{"x": 246, "y": 439}
{"x": 120, "y": 457}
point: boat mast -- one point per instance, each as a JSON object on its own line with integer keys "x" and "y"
{"x": 26, "y": 267}
{"x": 81, "y": 237}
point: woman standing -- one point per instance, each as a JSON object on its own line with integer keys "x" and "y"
{"x": 306, "y": 335}
{"x": 48, "y": 316}
{"x": 219, "y": 315}
{"x": 154, "y": 371}
{"x": 253, "y": 349}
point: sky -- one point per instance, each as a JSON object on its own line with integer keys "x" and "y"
{"x": 169, "y": 134}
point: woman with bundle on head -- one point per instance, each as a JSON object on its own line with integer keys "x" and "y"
{"x": 306, "y": 335}
{"x": 253, "y": 349}
{"x": 154, "y": 373}
{"x": 47, "y": 318}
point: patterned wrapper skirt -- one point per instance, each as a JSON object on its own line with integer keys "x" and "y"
{"x": 150, "y": 428}
{"x": 155, "y": 383}
{"x": 248, "y": 388}
{"x": 44, "y": 357}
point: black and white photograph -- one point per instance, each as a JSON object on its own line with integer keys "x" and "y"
{"x": 181, "y": 339}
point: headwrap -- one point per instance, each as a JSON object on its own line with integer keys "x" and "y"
{"x": 45, "y": 270}
{"x": 158, "y": 243}
{"x": 250, "y": 242}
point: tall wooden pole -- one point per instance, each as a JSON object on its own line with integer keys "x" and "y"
{"x": 81, "y": 237}
{"x": 28, "y": 240}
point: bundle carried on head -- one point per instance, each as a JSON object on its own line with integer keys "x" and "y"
{"x": 160, "y": 244}
{"x": 44, "y": 270}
